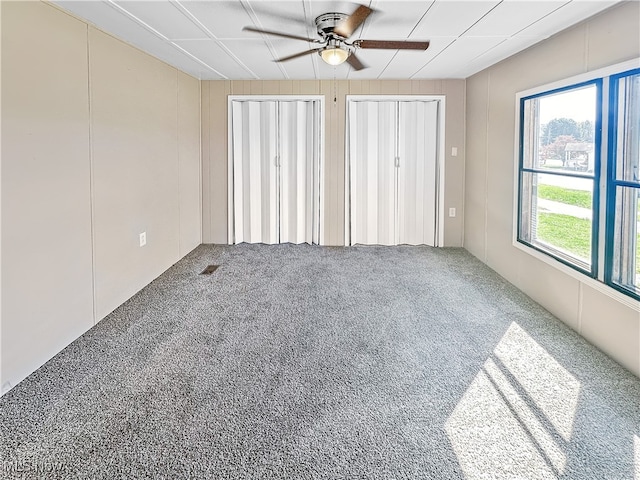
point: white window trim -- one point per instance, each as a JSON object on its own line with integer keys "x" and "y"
{"x": 585, "y": 279}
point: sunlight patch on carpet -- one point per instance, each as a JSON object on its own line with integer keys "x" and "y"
{"x": 550, "y": 386}
{"x": 517, "y": 415}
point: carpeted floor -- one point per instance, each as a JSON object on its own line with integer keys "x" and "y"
{"x": 301, "y": 362}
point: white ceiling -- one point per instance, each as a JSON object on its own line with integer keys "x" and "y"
{"x": 206, "y": 40}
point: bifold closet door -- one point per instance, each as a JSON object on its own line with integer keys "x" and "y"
{"x": 275, "y": 161}
{"x": 392, "y": 158}
{"x": 372, "y": 172}
{"x": 255, "y": 179}
{"x": 417, "y": 155}
{"x": 299, "y": 136}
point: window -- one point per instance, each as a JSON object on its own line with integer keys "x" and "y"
{"x": 578, "y": 143}
{"x": 623, "y": 253}
{"x": 559, "y": 172}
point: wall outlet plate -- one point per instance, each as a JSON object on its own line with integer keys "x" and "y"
{"x": 143, "y": 239}
{"x": 452, "y": 212}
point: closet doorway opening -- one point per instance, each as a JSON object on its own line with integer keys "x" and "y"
{"x": 394, "y": 170}
{"x": 275, "y": 162}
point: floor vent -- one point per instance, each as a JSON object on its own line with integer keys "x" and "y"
{"x": 209, "y": 270}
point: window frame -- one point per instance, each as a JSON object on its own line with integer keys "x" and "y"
{"x": 595, "y": 205}
{"x": 602, "y": 265}
{"x": 613, "y": 182}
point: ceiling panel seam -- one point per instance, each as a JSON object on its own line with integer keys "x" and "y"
{"x": 433, "y": 58}
{"x": 421, "y": 18}
{"x": 237, "y": 60}
{"x": 459, "y": 36}
{"x": 152, "y": 30}
{"x": 481, "y": 18}
{"x": 306, "y": 9}
{"x": 256, "y": 21}
{"x": 542, "y": 18}
{"x": 187, "y": 13}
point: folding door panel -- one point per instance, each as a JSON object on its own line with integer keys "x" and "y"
{"x": 417, "y": 155}
{"x": 254, "y": 171}
{"x": 298, "y": 160}
{"x": 372, "y": 152}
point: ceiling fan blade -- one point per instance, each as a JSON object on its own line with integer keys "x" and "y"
{"x": 296, "y": 55}
{"x": 392, "y": 44}
{"x": 355, "y": 62}
{"x": 346, "y": 28}
{"x": 280, "y": 34}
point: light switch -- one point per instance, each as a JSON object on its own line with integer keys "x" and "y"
{"x": 454, "y": 151}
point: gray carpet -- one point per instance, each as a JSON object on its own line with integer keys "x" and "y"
{"x": 301, "y": 362}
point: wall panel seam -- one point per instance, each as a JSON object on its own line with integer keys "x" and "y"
{"x": 210, "y": 162}
{"x": 486, "y": 172}
{"x": 91, "y": 183}
{"x": 464, "y": 162}
{"x": 206, "y": 162}
{"x": 200, "y": 195}
{"x": 179, "y": 164}
{"x": 585, "y": 59}
{"x": 2, "y": 382}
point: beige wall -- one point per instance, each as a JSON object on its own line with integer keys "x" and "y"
{"x": 606, "y": 39}
{"x": 136, "y": 133}
{"x": 46, "y": 209}
{"x": 99, "y": 143}
{"x": 214, "y": 145}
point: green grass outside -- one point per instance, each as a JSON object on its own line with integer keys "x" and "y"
{"x": 571, "y": 234}
{"x": 566, "y": 232}
{"x": 578, "y": 198}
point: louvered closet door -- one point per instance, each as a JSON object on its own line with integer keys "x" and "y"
{"x": 298, "y": 161}
{"x": 372, "y": 152}
{"x": 417, "y": 150}
{"x": 254, "y": 172}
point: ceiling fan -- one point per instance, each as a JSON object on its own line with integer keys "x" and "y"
{"x": 334, "y": 30}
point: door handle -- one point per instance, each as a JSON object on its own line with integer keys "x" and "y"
{"x": 397, "y": 162}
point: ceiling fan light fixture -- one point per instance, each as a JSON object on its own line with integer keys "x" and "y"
{"x": 334, "y": 55}
{"x": 334, "y": 31}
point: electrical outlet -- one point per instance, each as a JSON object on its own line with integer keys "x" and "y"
{"x": 452, "y": 212}
{"x": 143, "y": 239}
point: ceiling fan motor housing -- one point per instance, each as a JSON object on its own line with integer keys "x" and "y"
{"x": 327, "y": 22}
